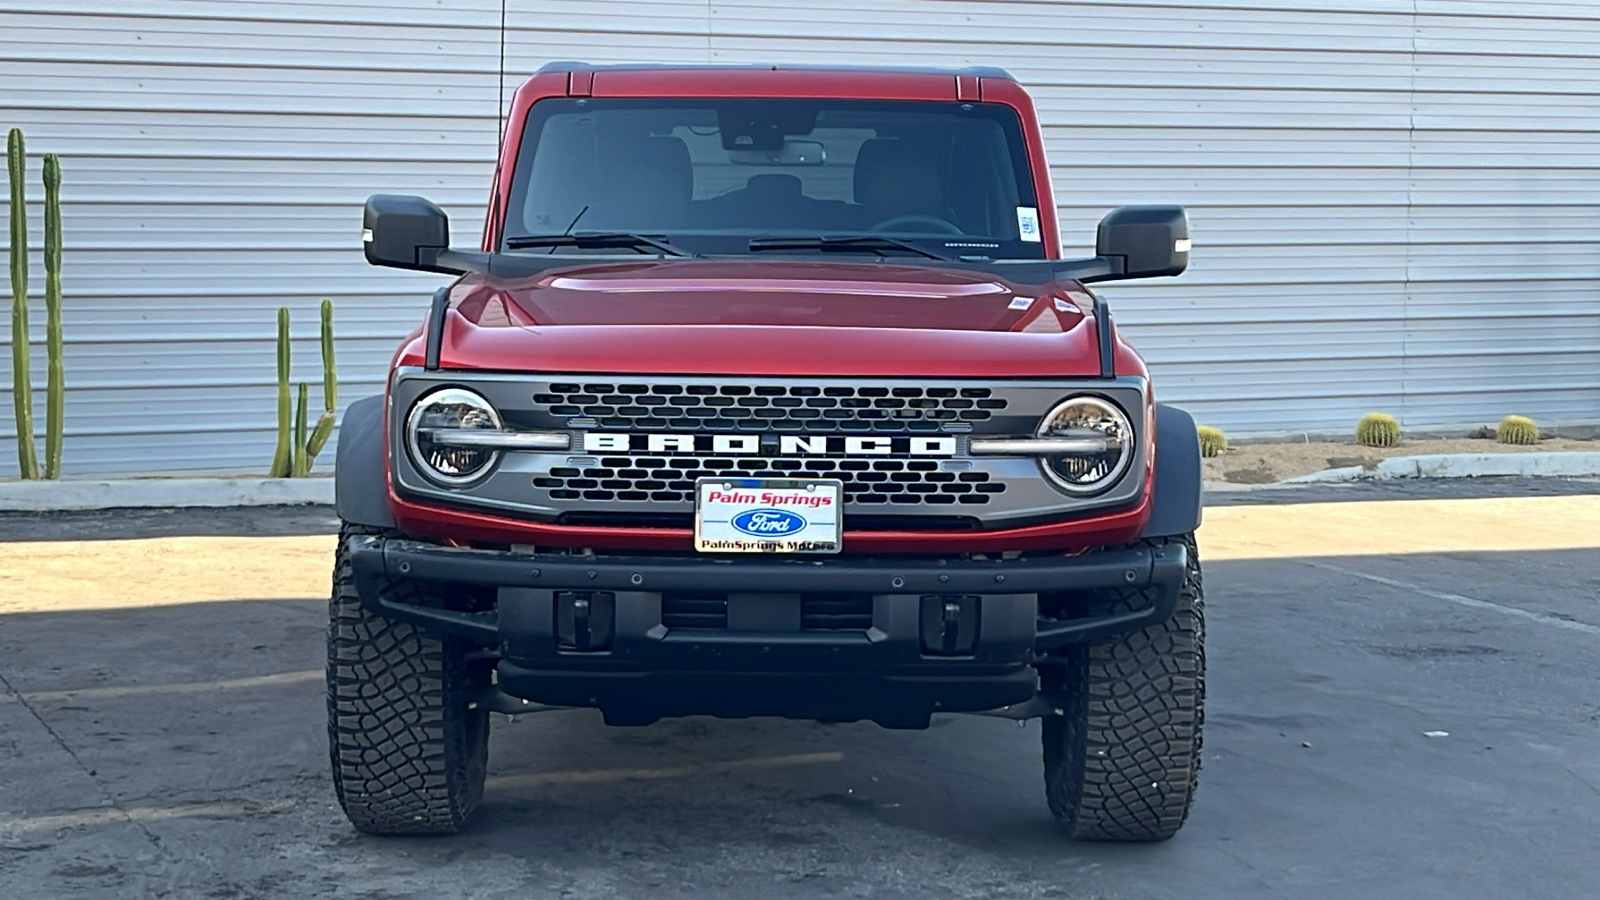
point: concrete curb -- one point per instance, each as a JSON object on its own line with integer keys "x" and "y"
{"x": 1329, "y": 476}
{"x": 134, "y": 493}
{"x": 1465, "y": 465}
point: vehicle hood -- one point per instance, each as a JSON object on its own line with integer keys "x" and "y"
{"x": 769, "y": 317}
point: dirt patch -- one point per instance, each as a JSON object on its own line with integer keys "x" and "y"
{"x": 1266, "y": 463}
{"x": 88, "y": 575}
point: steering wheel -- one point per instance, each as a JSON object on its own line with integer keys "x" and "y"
{"x": 938, "y": 225}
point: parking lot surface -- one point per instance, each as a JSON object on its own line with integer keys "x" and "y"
{"x": 1402, "y": 702}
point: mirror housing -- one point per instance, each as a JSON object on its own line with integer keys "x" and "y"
{"x": 1143, "y": 242}
{"x": 405, "y": 232}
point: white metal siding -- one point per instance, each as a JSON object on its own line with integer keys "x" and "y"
{"x": 1395, "y": 203}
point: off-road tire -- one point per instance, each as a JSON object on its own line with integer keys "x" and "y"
{"x": 408, "y": 753}
{"x": 1123, "y": 760}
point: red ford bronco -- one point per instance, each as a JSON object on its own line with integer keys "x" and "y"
{"x": 769, "y": 394}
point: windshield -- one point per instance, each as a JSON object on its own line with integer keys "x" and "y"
{"x": 712, "y": 175}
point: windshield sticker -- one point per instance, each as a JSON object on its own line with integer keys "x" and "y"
{"x": 1022, "y": 303}
{"x": 1028, "y": 224}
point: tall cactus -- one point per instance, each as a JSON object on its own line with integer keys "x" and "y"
{"x": 21, "y": 377}
{"x": 282, "y": 457}
{"x": 298, "y": 444}
{"x": 302, "y": 461}
{"x": 330, "y": 388}
{"x": 55, "y": 397}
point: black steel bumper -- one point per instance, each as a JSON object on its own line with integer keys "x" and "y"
{"x": 952, "y": 635}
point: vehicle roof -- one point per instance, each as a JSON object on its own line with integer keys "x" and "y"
{"x": 576, "y": 66}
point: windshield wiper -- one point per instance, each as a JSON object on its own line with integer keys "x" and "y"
{"x": 594, "y": 240}
{"x": 869, "y": 243}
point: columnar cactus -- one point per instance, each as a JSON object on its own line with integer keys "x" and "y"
{"x": 21, "y": 377}
{"x": 55, "y": 397}
{"x": 1212, "y": 441}
{"x": 283, "y": 456}
{"x": 1517, "y": 430}
{"x": 302, "y": 462}
{"x": 330, "y": 388}
{"x": 299, "y": 445}
{"x": 1378, "y": 430}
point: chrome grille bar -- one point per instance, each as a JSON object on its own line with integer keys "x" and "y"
{"x": 487, "y": 439}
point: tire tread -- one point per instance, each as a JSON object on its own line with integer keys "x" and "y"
{"x": 1123, "y": 762}
{"x": 407, "y": 753}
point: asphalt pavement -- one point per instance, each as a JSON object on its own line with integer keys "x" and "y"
{"x": 1419, "y": 724}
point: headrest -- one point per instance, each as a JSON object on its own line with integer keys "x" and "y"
{"x": 895, "y": 175}
{"x": 656, "y": 166}
{"x": 774, "y": 186}
{"x": 643, "y": 183}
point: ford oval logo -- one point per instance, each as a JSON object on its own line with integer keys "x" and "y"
{"x": 768, "y": 522}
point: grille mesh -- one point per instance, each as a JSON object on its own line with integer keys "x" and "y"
{"x": 770, "y": 407}
{"x": 671, "y": 479}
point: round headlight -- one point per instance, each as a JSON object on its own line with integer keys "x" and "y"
{"x": 1109, "y": 444}
{"x": 428, "y": 432}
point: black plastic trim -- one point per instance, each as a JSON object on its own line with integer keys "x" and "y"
{"x": 1106, "y": 331}
{"x": 1163, "y": 568}
{"x": 1023, "y": 271}
{"x": 1179, "y": 477}
{"x": 436, "y": 313}
{"x": 642, "y": 697}
{"x": 360, "y": 495}
{"x": 481, "y": 627}
{"x": 1169, "y": 565}
{"x": 399, "y": 558}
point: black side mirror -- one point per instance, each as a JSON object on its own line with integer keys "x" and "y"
{"x": 1149, "y": 241}
{"x": 405, "y": 232}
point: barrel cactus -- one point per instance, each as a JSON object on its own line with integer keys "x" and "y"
{"x": 1378, "y": 430}
{"x": 1212, "y": 441}
{"x": 1517, "y": 430}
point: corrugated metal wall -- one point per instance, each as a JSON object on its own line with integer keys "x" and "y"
{"x": 1396, "y": 204}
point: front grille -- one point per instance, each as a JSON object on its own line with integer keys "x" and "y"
{"x": 866, "y": 482}
{"x": 818, "y": 612}
{"x": 630, "y": 466}
{"x": 769, "y": 407}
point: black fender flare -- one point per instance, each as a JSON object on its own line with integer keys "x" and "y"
{"x": 1178, "y": 488}
{"x": 360, "y": 491}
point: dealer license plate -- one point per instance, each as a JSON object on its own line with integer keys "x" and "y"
{"x": 768, "y": 515}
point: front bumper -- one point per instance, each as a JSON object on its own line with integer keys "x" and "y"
{"x": 931, "y": 635}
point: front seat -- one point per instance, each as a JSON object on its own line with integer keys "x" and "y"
{"x": 645, "y": 185}
{"x": 894, "y": 177}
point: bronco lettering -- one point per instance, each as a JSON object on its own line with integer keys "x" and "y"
{"x": 773, "y": 445}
